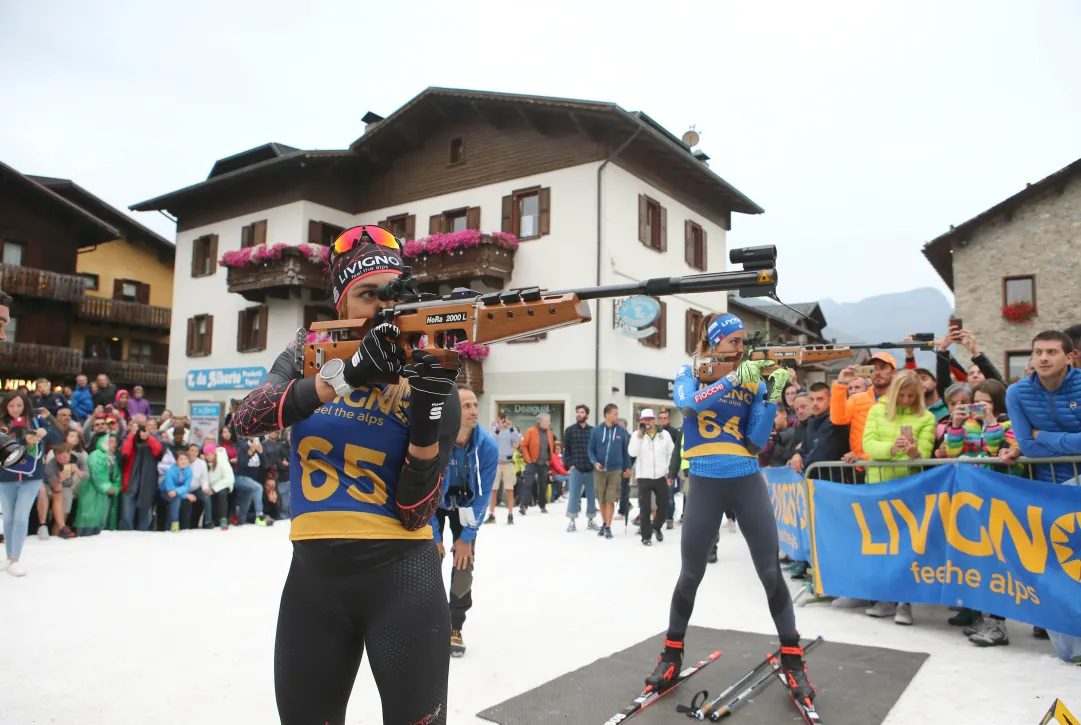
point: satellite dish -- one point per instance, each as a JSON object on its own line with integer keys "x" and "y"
{"x": 690, "y": 139}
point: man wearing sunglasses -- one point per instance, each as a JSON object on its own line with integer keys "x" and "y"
{"x": 366, "y": 479}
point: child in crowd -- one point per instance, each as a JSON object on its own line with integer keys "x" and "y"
{"x": 558, "y": 472}
{"x": 220, "y": 475}
{"x": 98, "y": 506}
{"x": 175, "y": 487}
{"x": 200, "y": 490}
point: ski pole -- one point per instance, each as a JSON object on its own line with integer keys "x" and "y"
{"x": 762, "y": 681}
{"x": 710, "y": 706}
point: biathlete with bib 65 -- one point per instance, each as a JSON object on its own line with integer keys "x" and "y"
{"x": 726, "y": 424}
{"x": 366, "y": 469}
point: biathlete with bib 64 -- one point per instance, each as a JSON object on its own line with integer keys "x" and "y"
{"x": 726, "y": 424}
{"x": 366, "y": 472}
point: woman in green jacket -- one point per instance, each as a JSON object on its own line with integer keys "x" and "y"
{"x": 97, "y": 496}
{"x": 899, "y": 428}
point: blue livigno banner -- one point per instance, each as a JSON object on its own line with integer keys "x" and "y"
{"x": 789, "y": 499}
{"x": 954, "y": 535}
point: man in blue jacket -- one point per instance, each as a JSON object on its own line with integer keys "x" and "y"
{"x": 1045, "y": 407}
{"x": 611, "y": 463}
{"x": 467, "y": 488}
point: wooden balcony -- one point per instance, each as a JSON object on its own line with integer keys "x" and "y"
{"x": 30, "y": 282}
{"x": 128, "y": 372}
{"x": 124, "y": 313}
{"x": 473, "y": 375}
{"x": 24, "y": 360}
{"x": 489, "y": 263}
{"x": 294, "y": 270}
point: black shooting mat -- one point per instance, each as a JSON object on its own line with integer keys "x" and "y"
{"x": 856, "y": 685}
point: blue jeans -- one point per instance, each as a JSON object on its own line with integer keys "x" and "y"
{"x": 284, "y": 489}
{"x": 578, "y": 481}
{"x": 18, "y": 499}
{"x": 126, "y": 521}
{"x": 174, "y": 508}
{"x": 208, "y": 510}
{"x": 247, "y": 492}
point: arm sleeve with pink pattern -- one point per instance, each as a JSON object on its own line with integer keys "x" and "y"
{"x": 283, "y": 399}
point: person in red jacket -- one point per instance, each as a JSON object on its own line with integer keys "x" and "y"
{"x": 140, "y": 453}
{"x": 558, "y": 471}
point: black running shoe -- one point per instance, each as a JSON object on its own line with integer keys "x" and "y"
{"x": 795, "y": 671}
{"x": 668, "y": 666}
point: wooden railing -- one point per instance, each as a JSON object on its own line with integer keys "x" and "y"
{"x": 128, "y": 372}
{"x": 20, "y": 359}
{"x": 122, "y": 312}
{"x": 294, "y": 269}
{"x": 30, "y": 282}
{"x": 490, "y": 263}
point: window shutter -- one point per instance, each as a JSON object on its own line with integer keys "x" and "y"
{"x": 410, "y": 227}
{"x": 264, "y": 315}
{"x": 118, "y": 289}
{"x": 705, "y": 249}
{"x": 196, "y": 257}
{"x": 260, "y": 232}
{"x": 643, "y": 216}
{"x": 385, "y": 223}
{"x": 664, "y": 230}
{"x": 688, "y": 331}
{"x": 213, "y": 253}
{"x": 241, "y": 319}
{"x": 662, "y": 325}
{"x": 434, "y": 222}
{"x": 208, "y": 345}
{"x": 315, "y": 231}
{"x": 191, "y": 336}
{"x": 142, "y": 293}
{"x": 245, "y": 237}
{"x": 508, "y": 215}
{"x": 688, "y": 242}
{"x": 472, "y": 218}
{"x": 545, "y": 210}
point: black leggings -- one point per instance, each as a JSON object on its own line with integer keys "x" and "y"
{"x": 748, "y": 497}
{"x": 330, "y": 613}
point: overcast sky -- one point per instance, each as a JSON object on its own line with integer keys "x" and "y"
{"x": 863, "y": 128}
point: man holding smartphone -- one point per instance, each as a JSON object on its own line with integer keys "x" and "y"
{"x": 506, "y": 438}
{"x": 651, "y": 448}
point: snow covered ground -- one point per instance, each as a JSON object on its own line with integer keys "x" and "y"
{"x": 179, "y": 628}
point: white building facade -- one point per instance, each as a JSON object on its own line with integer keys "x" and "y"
{"x": 643, "y": 232}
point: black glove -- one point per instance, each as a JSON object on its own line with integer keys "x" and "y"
{"x": 377, "y": 355}
{"x": 430, "y": 385}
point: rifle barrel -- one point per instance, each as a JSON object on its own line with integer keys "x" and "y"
{"x": 659, "y": 286}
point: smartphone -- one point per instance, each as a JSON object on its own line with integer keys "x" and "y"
{"x": 906, "y": 431}
{"x": 956, "y": 323}
{"x": 865, "y": 371}
{"x": 973, "y": 409}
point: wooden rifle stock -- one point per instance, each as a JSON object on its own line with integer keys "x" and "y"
{"x": 437, "y": 325}
{"x": 712, "y": 370}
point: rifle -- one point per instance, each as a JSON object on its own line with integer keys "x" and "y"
{"x": 436, "y": 324}
{"x": 793, "y": 354}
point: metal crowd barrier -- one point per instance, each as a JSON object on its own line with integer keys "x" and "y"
{"x": 843, "y": 472}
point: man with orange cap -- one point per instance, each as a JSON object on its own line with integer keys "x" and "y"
{"x": 852, "y": 411}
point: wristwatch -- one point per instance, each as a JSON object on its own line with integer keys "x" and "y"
{"x": 333, "y": 373}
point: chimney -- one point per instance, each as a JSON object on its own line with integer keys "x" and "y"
{"x": 371, "y": 120}
{"x": 702, "y": 156}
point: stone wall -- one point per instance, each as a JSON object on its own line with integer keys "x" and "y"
{"x": 1042, "y": 239}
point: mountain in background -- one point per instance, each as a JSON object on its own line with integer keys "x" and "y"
{"x": 889, "y": 318}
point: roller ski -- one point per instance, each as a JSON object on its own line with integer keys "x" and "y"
{"x": 766, "y": 672}
{"x": 791, "y": 670}
{"x": 669, "y": 676}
